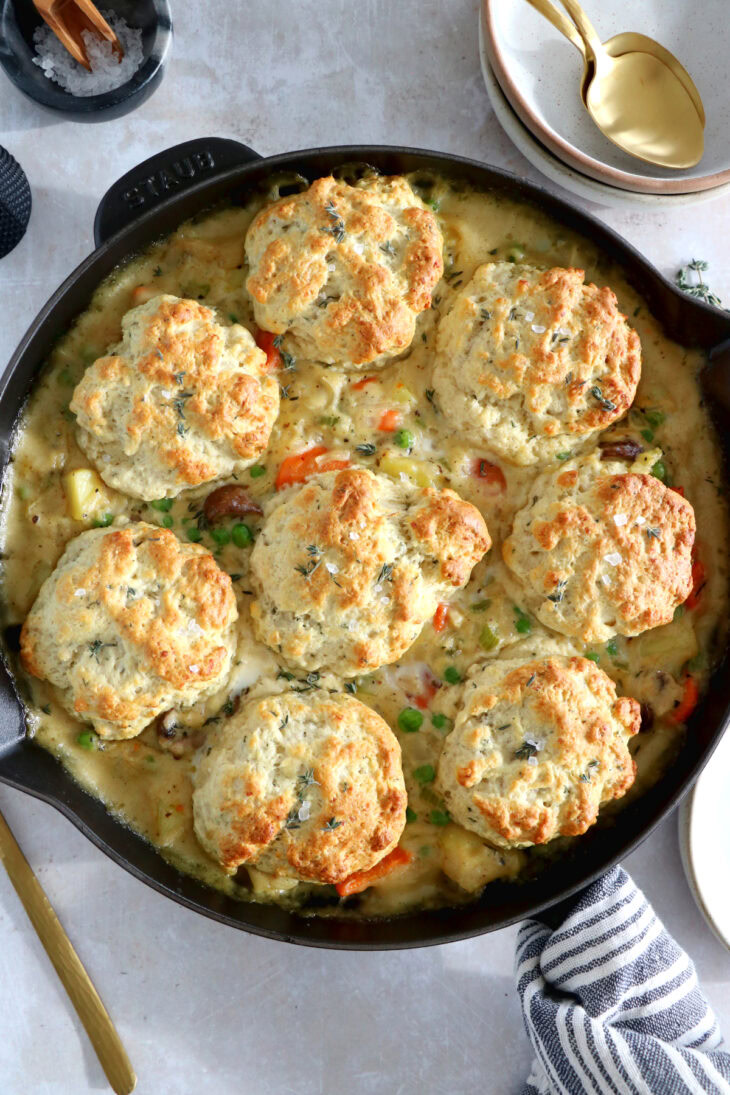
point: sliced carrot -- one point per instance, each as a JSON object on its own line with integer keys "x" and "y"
{"x": 699, "y": 578}
{"x": 360, "y": 880}
{"x": 430, "y": 688}
{"x": 142, "y": 294}
{"x": 441, "y": 617}
{"x": 491, "y": 474}
{"x": 688, "y": 702}
{"x": 361, "y": 383}
{"x": 389, "y": 421}
{"x": 265, "y": 341}
{"x": 679, "y": 491}
{"x": 299, "y": 466}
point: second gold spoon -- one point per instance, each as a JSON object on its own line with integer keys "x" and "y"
{"x": 638, "y": 102}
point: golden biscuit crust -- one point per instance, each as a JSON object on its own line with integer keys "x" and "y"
{"x": 536, "y": 749}
{"x": 349, "y": 567}
{"x": 180, "y": 401}
{"x": 600, "y": 551}
{"x": 343, "y": 271}
{"x": 530, "y": 361}
{"x": 301, "y": 785}
{"x": 130, "y": 623}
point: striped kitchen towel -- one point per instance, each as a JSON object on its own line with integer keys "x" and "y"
{"x": 611, "y": 1003}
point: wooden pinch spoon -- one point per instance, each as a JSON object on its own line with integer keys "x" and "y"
{"x": 636, "y": 103}
{"x": 68, "y": 18}
{"x": 75, "y": 979}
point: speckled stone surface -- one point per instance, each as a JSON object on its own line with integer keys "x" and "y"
{"x": 203, "y": 1009}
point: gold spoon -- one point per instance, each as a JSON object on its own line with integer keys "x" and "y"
{"x": 75, "y": 979}
{"x": 626, "y": 42}
{"x": 638, "y": 103}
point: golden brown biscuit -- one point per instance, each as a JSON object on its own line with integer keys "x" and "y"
{"x": 600, "y": 551}
{"x": 343, "y": 271}
{"x": 349, "y": 567}
{"x": 531, "y": 361}
{"x": 536, "y": 749}
{"x": 129, "y": 624}
{"x": 301, "y": 785}
{"x": 180, "y": 401}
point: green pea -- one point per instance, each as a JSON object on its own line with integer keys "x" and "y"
{"x": 241, "y": 535}
{"x": 648, "y": 435}
{"x": 563, "y": 456}
{"x": 439, "y": 817}
{"x": 410, "y": 720}
{"x": 523, "y": 623}
{"x": 104, "y": 520}
{"x": 411, "y": 814}
{"x": 655, "y": 417}
{"x": 257, "y": 471}
{"x": 441, "y": 722}
{"x": 452, "y": 675}
{"x": 87, "y": 739}
{"x": 516, "y": 253}
{"x": 404, "y": 439}
{"x": 592, "y": 656}
{"x": 487, "y": 639}
{"x": 168, "y": 521}
{"x": 233, "y": 317}
{"x": 64, "y": 377}
{"x": 425, "y": 774}
{"x": 612, "y": 648}
{"x": 659, "y": 470}
{"x": 220, "y": 536}
{"x": 164, "y": 505}
{"x": 194, "y": 534}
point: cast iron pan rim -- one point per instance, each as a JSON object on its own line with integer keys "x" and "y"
{"x": 433, "y": 933}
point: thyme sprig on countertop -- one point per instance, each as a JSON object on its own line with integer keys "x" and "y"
{"x": 696, "y": 288}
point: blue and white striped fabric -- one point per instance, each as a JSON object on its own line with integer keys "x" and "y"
{"x": 611, "y": 1003}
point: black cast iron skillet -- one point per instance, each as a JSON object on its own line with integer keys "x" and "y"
{"x": 153, "y": 200}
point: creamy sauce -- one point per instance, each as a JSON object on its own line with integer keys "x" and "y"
{"x": 146, "y": 782}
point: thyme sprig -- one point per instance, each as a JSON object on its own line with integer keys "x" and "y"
{"x": 696, "y": 288}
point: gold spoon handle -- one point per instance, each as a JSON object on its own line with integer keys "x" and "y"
{"x": 559, "y": 21}
{"x": 593, "y": 45}
{"x": 75, "y": 979}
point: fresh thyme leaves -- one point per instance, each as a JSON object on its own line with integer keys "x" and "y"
{"x": 180, "y": 378}
{"x": 300, "y": 810}
{"x": 96, "y": 646}
{"x": 484, "y": 314}
{"x": 307, "y": 569}
{"x": 586, "y": 777}
{"x": 606, "y": 404}
{"x": 284, "y": 722}
{"x": 653, "y": 533}
{"x": 338, "y": 227}
{"x": 568, "y": 379}
{"x": 350, "y": 687}
{"x": 288, "y": 359}
{"x": 284, "y": 391}
{"x": 366, "y": 449}
{"x": 307, "y": 779}
{"x": 229, "y": 708}
{"x": 526, "y": 750}
{"x": 696, "y": 288}
{"x": 182, "y": 429}
{"x": 387, "y": 247}
{"x": 278, "y": 341}
{"x": 559, "y": 592}
{"x": 157, "y": 272}
{"x": 430, "y": 396}
{"x": 179, "y": 402}
{"x": 158, "y": 351}
{"x": 386, "y": 574}
{"x": 333, "y": 823}
{"x": 285, "y": 675}
{"x": 531, "y": 680}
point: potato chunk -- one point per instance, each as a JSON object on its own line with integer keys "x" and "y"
{"x": 85, "y": 494}
{"x": 471, "y": 863}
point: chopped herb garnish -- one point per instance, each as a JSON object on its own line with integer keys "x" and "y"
{"x": 606, "y": 404}
{"x": 333, "y": 823}
{"x": 179, "y": 378}
{"x": 531, "y": 680}
{"x": 387, "y": 248}
{"x": 288, "y": 359}
{"x": 586, "y": 777}
{"x": 488, "y": 639}
{"x": 523, "y": 623}
{"x": 612, "y": 648}
{"x": 386, "y": 573}
{"x": 430, "y": 393}
{"x": 484, "y": 314}
{"x": 350, "y": 687}
{"x": 366, "y": 449}
{"x": 157, "y": 272}
{"x": 653, "y": 533}
{"x": 526, "y": 750}
{"x": 338, "y": 227}
{"x": 559, "y": 592}
{"x": 96, "y": 646}
{"x": 181, "y": 429}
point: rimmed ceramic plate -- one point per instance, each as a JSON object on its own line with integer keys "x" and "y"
{"x": 704, "y": 841}
{"x": 539, "y": 72}
{"x": 564, "y": 176}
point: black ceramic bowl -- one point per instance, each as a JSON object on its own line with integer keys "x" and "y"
{"x": 152, "y": 200}
{"x": 18, "y": 21}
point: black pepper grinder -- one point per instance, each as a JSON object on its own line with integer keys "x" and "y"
{"x": 15, "y": 202}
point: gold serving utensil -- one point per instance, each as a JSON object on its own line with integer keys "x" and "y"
{"x": 75, "y": 979}
{"x": 68, "y": 18}
{"x": 626, "y": 42}
{"x": 636, "y": 91}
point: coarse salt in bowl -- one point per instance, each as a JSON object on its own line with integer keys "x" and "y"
{"x": 108, "y": 70}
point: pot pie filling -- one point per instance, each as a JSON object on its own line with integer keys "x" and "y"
{"x": 402, "y": 323}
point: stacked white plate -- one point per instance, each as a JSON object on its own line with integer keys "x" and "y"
{"x": 533, "y": 74}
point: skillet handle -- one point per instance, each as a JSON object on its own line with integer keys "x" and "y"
{"x": 162, "y": 175}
